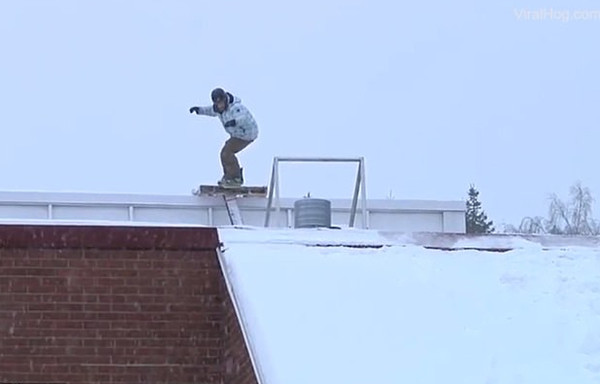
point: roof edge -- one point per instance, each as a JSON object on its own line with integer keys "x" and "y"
{"x": 107, "y": 237}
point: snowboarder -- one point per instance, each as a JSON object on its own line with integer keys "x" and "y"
{"x": 240, "y": 125}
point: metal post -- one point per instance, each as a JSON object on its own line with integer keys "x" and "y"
{"x": 364, "y": 192}
{"x": 355, "y": 198}
{"x": 271, "y": 187}
{"x": 277, "y": 201}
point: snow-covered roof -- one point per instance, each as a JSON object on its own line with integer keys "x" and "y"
{"x": 355, "y": 307}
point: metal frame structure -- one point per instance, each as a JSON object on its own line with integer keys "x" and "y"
{"x": 360, "y": 186}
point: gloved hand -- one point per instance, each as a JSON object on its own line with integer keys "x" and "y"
{"x": 230, "y": 123}
{"x": 195, "y": 110}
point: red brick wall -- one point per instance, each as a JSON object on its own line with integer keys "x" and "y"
{"x": 81, "y": 304}
{"x": 237, "y": 366}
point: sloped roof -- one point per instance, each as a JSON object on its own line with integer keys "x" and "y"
{"x": 353, "y": 306}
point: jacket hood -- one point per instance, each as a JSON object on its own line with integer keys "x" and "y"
{"x": 233, "y": 99}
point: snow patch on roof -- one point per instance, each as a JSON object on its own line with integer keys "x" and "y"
{"x": 405, "y": 313}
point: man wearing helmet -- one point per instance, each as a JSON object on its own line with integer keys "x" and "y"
{"x": 240, "y": 125}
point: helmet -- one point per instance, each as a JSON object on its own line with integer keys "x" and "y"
{"x": 218, "y": 94}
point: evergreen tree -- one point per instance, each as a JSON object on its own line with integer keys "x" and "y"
{"x": 477, "y": 220}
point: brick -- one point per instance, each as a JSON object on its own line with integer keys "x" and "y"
{"x": 156, "y": 291}
{"x": 102, "y": 316}
{"x": 125, "y": 307}
{"x": 54, "y": 369}
{"x": 83, "y": 298}
{"x": 126, "y": 378}
{"x": 79, "y": 262}
{"x": 130, "y": 289}
{"x": 128, "y": 342}
{"x": 137, "y": 264}
{"x": 126, "y": 325}
{"x": 97, "y": 325}
{"x": 91, "y": 290}
{"x": 49, "y": 298}
{"x": 33, "y": 271}
{"x": 73, "y": 359}
{"x": 171, "y": 309}
{"x": 109, "y": 281}
{"x": 23, "y": 280}
{"x": 32, "y": 307}
{"x": 145, "y": 308}
{"x": 53, "y": 281}
{"x": 97, "y": 307}
{"x": 26, "y": 262}
{"x": 80, "y": 281}
{"x": 70, "y": 307}
{"x": 100, "y": 378}
{"x": 77, "y": 333}
{"x": 13, "y": 369}
{"x": 54, "y": 263}
{"x": 35, "y": 253}
{"x": 124, "y": 273}
{"x": 109, "y": 299}
{"x": 6, "y": 262}
{"x": 8, "y": 359}
{"x": 16, "y": 287}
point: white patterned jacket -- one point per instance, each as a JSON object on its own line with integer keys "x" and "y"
{"x": 236, "y": 119}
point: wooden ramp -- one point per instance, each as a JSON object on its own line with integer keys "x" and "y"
{"x": 213, "y": 190}
{"x": 230, "y": 196}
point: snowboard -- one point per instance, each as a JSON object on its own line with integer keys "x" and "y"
{"x": 217, "y": 190}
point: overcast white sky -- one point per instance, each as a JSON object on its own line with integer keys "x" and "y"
{"x": 435, "y": 95}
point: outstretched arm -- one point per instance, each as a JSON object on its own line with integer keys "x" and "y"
{"x": 207, "y": 111}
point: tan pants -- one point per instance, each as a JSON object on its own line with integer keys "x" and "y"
{"x": 231, "y": 165}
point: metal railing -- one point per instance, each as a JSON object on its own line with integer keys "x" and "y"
{"x": 359, "y": 187}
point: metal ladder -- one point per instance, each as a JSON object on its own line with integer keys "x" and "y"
{"x": 233, "y": 210}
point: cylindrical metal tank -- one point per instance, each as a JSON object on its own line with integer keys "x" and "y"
{"x": 312, "y": 213}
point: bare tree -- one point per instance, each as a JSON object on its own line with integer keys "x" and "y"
{"x": 581, "y": 210}
{"x": 573, "y": 218}
{"x": 558, "y": 222}
{"x": 593, "y": 227}
{"x": 532, "y": 225}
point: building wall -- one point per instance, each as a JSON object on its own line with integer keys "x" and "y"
{"x": 237, "y": 366}
{"x": 83, "y": 304}
{"x": 386, "y": 214}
